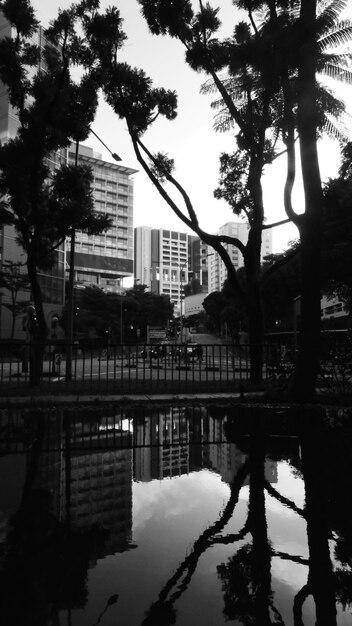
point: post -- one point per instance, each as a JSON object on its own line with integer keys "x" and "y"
{"x": 70, "y": 294}
{"x": 121, "y": 321}
{"x": 181, "y": 299}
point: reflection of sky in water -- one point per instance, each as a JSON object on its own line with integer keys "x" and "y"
{"x": 168, "y": 516}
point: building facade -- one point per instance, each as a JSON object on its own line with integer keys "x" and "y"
{"x": 105, "y": 260}
{"x": 162, "y": 262}
{"x": 217, "y": 273}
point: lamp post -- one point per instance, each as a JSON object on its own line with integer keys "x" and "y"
{"x": 122, "y": 294}
{"x": 115, "y": 156}
{"x": 181, "y": 268}
{"x": 29, "y": 325}
{"x": 70, "y": 294}
{"x": 70, "y": 289}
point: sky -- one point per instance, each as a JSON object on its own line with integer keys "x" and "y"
{"x": 190, "y": 139}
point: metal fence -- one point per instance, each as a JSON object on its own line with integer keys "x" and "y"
{"x": 157, "y": 369}
{"x": 128, "y": 369}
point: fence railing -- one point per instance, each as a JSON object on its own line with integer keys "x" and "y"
{"x": 153, "y": 368}
{"x": 129, "y": 369}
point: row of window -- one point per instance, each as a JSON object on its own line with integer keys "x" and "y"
{"x": 113, "y": 184}
{"x": 334, "y": 308}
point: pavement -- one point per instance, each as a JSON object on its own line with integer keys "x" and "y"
{"x": 60, "y": 400}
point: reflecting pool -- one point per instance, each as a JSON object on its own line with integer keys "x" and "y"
{"x": 186, "y": 515}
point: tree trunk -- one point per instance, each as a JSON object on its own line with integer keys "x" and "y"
{"x": 315, "y": 451}
{"x": 39, "y": 330}
{"x": 252, "y": 263}
{"x": 258, "y": 525}
{"x": 304, "y": 381}
{"x": 255, "y": 330}
{"x": 311, "y": 223}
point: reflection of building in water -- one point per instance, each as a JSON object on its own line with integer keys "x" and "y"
{"x": 101, "y": 493}
{"x": 227, "y": 458}
{"x": 163, "y": 443}
{"x": 100, "y": 485}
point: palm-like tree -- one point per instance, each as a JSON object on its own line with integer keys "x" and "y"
{"x": 306, "y": 46}
{"x": 334, "y": 65}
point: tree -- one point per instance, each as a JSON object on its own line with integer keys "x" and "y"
{"x": 15, "y": 282}
{"x": 192, "y": 288}
{"x": 307, "y": 49}
{"x": 132, "y": 96}
{"x": 260, "y": 97}
{"x": 102, "y": 313}
{"x": 53, "y": 110}
{"x": 337, "y": 260}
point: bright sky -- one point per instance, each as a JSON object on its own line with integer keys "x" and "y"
{"x": 190, "y": 139}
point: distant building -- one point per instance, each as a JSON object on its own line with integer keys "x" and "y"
{"x": 162, "y": 262}
{"x": 167, "y": 260}
{"x": 194, "y": 304}
{"x": 217, "y": 273}
{"x": 198, "y": 261}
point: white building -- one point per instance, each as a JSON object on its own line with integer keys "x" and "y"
{"x": 217, "y": 273}
{"x": 104, "y": 260}
{"x": 161, "y": 262}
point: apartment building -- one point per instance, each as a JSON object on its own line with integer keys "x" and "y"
{"x": 162, "y": 262}
{"x": 217, "y": 273}
{"x": 105, "y": 260}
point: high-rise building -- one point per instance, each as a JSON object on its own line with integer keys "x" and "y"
{"x": 198, "y": 261}
{"x": 217, "y": 273}
{"x": 104, "y": 260}
{"x": 162, "y": 262}
{"x": 167, "y": 260}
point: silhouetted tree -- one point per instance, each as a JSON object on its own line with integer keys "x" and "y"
{"x": 52, "y": 110}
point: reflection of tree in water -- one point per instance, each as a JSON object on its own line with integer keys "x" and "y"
{"x": 44, "y": 562}
{"x": 163, "y": 612}
{"x": 45, "y": 565}
{"x": 246, "y": 576}
{"x": 339, "y": 489}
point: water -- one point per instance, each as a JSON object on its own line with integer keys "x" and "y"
{"x": 180, "y": 515}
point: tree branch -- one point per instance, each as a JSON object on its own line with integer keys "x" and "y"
{"x": 274, "y": 224}
{"x": 291, "y": 505}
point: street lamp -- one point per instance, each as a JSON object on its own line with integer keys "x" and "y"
{"x": 122, "y": 295}
{"x": 70, "y": 294}
{"x": 115, "y": 156}
{"x": 70, "y": 290}
{"x": 181, "y": 268}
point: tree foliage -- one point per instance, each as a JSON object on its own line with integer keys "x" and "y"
{"x": 53, "y": 110}
{"x": 337, "y": 258}
{"x": 100, "y": 313}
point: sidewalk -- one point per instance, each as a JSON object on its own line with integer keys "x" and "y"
{"x": 60, "y": 400}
